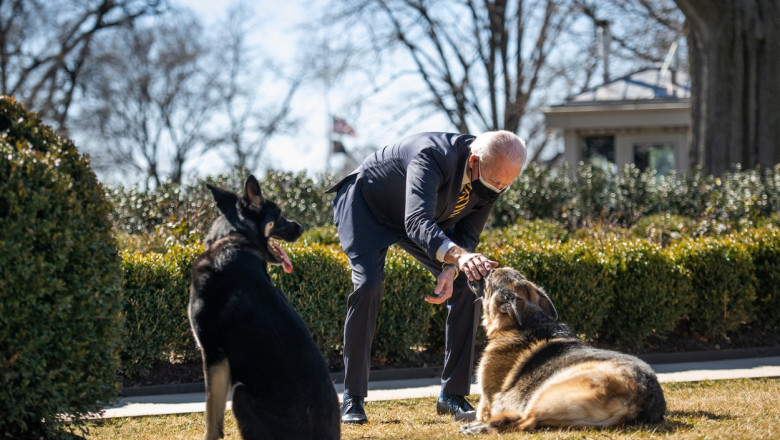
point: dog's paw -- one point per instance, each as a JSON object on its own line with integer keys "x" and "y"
{"x": 475, "y": 428}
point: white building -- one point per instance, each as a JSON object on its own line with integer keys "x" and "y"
{"x": 643, "y": 118}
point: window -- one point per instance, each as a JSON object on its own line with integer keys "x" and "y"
{"x": 658, "y": 156}
{"x": 600, "y": 151}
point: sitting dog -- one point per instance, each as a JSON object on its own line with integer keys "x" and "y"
{"x": 248, "y": 333}
{"x": 536, "y": 372}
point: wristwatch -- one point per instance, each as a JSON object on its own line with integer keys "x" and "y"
{"x": 454, "y": 266}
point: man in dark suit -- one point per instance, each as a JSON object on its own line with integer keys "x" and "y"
{"x": 431, "y": 194}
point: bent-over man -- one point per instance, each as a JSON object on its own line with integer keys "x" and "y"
{"x": 431, "y": 194}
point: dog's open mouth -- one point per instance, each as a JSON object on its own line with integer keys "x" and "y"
{"x": 280, "y": 255}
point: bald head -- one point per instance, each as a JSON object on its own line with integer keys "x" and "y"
{"x": 497, "y": 158}
{"x": 499, "y": 145}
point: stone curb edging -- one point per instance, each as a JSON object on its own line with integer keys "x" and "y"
{"x": 425, "y": 372}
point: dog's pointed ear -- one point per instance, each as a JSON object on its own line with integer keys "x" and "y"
{"x": 226, "y": 200}
{"x": 545, "y": 304}
{"x": 252, "y": 193}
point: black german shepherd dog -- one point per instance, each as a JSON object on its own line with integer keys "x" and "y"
{"x": 250, "y": 337}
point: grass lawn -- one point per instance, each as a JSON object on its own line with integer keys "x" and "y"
{"x": 731, "y": 409}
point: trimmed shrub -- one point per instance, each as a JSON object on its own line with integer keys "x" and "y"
{"x": 317, "y": 289}
{"x": 613, "y": 291}
{"x": 537, "y": 193}
{"x": 404, "y": 317}
{"x": 765, "y": 250}
{"x": 156, "y": 291}
{"x": 663, "y": 229}
{"x": 60, "y": 278}
{"x": 183, "y": 214}
{"x": 319, "y": 286}
{"x": 723, "y": 283}
{"x": 651, "y": 293}
{"x": 321, "y": 235}
{"x": 526, "y": 230}
{"x": 156, "y": 327}
{"x": 573, "y": 274}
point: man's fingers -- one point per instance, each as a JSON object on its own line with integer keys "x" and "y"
{"x": 479, "y": 267}
{"x": 438, "y": 299}
{"x": 435, "y": 299}
{"x": 442, "y": 291}
{"x": 439, "y": 286}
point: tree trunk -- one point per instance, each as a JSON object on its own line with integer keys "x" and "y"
{"x": 735, "y": 60}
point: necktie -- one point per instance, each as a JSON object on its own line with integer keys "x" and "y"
{"x": 463, "y": 200}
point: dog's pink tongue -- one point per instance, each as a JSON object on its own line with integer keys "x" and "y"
{"x": 286, "y": 264}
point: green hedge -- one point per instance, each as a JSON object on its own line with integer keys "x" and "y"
{"x": 616, "y": 292}
{"x": 573, "y": 196}
{"x": 573, "y": 274}
{"x": 652, "y": 293}
{"x": 156, "y": 295}
{"x": 317, "y": 288}
{"x": 764, "y": 247}
{"x": 583, "y": 195}
{"x": 154, "y": 219}
{"x": 724, "y": 283}
{"x": 156, "y": 290}
{"x": 59, "y": 282}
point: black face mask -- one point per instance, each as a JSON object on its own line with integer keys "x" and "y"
{"x": 483, "y": 192}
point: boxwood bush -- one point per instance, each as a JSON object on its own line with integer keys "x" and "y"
{"x": 153, "y": 219}
{"x": 156, "y": 292}
{"x": 617, "y": 292}
{"x": 764, "y": 247}
{"x": 319, "y": 286}
{"x": 652, "y": 293}
{"x": 573, "y": 274}
{"x": 723, "y": 282}
{"x": 60, "y": 282}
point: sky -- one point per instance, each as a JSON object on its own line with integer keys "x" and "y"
{"x": 307, "y": 150}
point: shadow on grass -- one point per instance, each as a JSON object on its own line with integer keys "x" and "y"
{"x": 698, "y": 415}
{"x": 676, "y": 421}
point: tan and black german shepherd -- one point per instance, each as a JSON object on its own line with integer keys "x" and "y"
{"x": 536, "y": 372}
{"x": 250, "y": 337}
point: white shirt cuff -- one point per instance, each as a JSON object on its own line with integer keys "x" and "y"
{"x": 446, "y": 246}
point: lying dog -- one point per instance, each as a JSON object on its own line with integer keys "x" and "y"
{"x": 248, "y": 333}
{"x": 536, "y": 372}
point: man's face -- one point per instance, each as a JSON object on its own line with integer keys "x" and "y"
{"x": 496, "y": 174}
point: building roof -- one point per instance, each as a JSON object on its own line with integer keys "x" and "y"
{"x": 645, "y": 85}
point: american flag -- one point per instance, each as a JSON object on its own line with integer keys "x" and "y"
{"x": 340, "y": 126}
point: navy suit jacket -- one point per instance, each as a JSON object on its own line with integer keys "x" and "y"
{"x": 410, "y": 189}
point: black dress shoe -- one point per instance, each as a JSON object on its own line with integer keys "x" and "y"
{"x": 352, "y": 410}
{"x": 457, "y": 405}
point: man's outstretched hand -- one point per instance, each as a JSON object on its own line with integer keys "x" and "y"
{"x": 475, "y": 265}
{"x": 443, "y": 290}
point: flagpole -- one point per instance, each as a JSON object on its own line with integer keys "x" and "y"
{"x": 329, "y": 117}
{"x": 329, "y": 128}
{"x": 330, "y": 140}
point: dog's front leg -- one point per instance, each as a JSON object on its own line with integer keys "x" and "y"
{"x": 483, "y": 409}
{"x": 217, "y": 390}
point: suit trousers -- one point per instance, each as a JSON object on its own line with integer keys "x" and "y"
{"x": 363, "y": 307}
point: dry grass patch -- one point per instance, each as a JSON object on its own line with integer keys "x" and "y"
{"x": 733, "y": 409}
